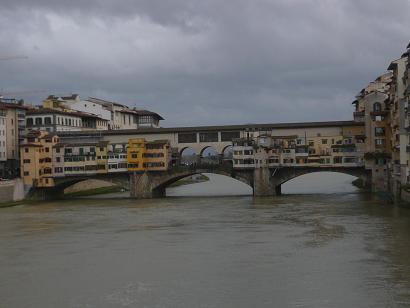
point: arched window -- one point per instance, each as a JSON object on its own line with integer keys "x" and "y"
{"x": 377, "y": 107}
{"x": 39, "y": 121}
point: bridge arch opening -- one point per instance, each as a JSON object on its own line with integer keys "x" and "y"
{"x": 209, "y": 155}
{"x": 227, "y": 152}
{"x": 210, "y": 184}
{"x": 188, "y": 156}
{"x": 321, "y": 182}
{"x": 84, "y": 186}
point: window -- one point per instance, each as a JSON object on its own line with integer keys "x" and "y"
{"x": 47, "y": 120}
{"x": 379, "y": 142}
{"x": 39, "y": 121}
{"x": 379, "y": 131}
{"x": 29, "y": 122}
{"x": 187, "y": 138}
{"x": 229, "y": 136}
{"x": 47, "y": 150}
{"x": 58, "y": 159}
{"x": 324, "y": 141}
{"x": 381, "y": 161}
{"x": 208, "y": 137}
{"x": 26, "y": 150}
{"x": 377, "y": 107}
{"x": 26, "y": 161}
{"x": 26, "y": 173}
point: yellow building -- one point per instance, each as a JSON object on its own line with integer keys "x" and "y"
{"x": 135, "y": 154}
{"x": 37, "y": 159}
{"x": 157, "y": 155}
{"x": 102, "y": 157}
{"x": 148, "y": 155}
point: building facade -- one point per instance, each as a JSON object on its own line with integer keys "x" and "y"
{"x": 46, "y": 157}
{"x": 12, "y": 130}
{"x": 345, "y": 149}
{"x": 37, "y": 159}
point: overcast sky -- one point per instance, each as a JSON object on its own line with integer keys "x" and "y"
{"x": 207, "y": 61}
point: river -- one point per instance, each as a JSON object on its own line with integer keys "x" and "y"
{"x": 334, "y": 247}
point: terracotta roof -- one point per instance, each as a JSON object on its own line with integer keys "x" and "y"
{"x": 103, "y": 102}
{"x": 13, "y": 106}
{"x": 79, "y": 144}
{"x": 147, "y": 112}
{"x": 141, "y": 112}
{"x": 67, "y": 113}
{"x": 30, "y": 145}
{"x": 71, "y": 97}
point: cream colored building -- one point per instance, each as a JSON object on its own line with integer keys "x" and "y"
{"x": 12, "y": 133}
{"x": 323, "y": 147}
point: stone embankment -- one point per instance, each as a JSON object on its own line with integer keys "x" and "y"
{"x": 11, "y": 191}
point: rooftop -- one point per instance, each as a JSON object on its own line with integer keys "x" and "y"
{"x": 246, "y": 127}
{"x": 68, "y": 113}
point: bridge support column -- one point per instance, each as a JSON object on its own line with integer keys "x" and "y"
{"x": 141, "y": 187}
{"x": 264, "y": 184}
{"x": 45, "y": 194}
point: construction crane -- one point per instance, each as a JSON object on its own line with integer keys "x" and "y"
{"x": 6, "y": 58}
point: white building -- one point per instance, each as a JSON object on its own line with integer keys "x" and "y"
{"x": 54, "y": 120}
{"x": 124, "y": 117}
{"x": 3, "y": 135}
{"x": 88, "y": 107}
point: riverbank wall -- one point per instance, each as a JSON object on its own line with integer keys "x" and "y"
{"x": 11, "y": 191}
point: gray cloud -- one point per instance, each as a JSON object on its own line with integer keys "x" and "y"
{"x": 205, "y": 62}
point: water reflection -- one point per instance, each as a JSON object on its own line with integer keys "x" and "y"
{"x": 311, "y": 250}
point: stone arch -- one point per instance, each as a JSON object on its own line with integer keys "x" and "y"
{"x": 225, "y": 150}
{"x": 190, "y": 157}
{"x": 120, "y": 179}
{"x": 286, "y": 174}
{"x": 159, "y": 187}
{"x": 187, "y": 148}
{"x": 201, "y": 153}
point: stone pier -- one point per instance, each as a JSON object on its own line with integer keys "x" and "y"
{"x": 264, "y": 184}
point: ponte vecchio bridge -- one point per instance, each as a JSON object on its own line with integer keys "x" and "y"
{"x": 317, "y": 146}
